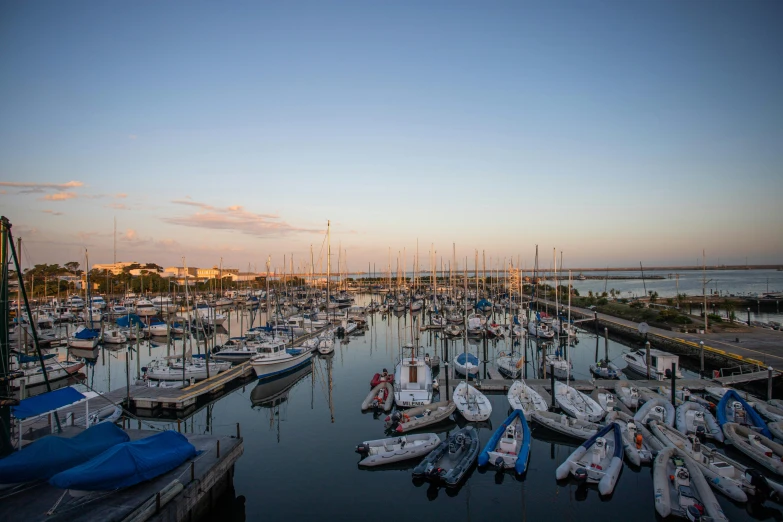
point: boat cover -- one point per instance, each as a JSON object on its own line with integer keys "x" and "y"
{"x": 753, "y": 416}
{"x": 481, "y": 305}
{"x": 128, "y": 464}
{"x": 471, "y": 359}
{"x": 129, "y": 320}
{"x": 46, "y": 402}
{"x": 52, "y": 454}
{"x": 22, "y": 358}
{"x": 87, "y": 333}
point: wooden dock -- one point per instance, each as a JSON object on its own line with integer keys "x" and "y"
{"x": 197, "y": 484}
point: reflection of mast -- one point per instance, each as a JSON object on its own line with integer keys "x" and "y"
{"x": 329, "y": 372}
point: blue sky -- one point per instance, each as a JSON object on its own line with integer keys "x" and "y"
{"x": 617, "y": 132}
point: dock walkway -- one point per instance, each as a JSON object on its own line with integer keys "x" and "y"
{"x": 758, "y": 347}
{"x": 203, "y": 483}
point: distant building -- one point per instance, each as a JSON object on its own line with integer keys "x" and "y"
{"x": 114, "y": 268}
{"x": 179, "y": 272}
{"x": 243, "y": 276}
{"x": 214, "y": 272}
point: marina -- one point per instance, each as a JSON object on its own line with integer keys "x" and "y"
{"x": 445, "y": 261}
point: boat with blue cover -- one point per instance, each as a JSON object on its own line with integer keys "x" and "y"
{"x": 734, "y": 409}
{"x": 509, "y": 446}
{"x": 128, "y": 464}
{"x": 52, "y": 454}
{"x": 466, "y": 364}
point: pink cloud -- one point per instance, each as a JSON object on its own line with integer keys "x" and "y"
{"x": 52, "y": 212}
{"x": 59, "y": 196}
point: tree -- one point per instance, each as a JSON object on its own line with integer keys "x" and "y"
{"x": 73, "y": 267}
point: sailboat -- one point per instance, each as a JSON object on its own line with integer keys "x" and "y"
{"x": 471, "y": 403}
{"x": 85, "y": 337}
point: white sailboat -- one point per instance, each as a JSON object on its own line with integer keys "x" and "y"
{"x": 523, "y": 397}
{"x": 471, "y": 403}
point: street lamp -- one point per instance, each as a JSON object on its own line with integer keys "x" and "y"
{"x": 748, "y": 316}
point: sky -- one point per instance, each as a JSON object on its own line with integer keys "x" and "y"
{"x": 612, "y": 131}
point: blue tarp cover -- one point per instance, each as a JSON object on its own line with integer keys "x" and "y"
{"x": 471, "y": 358}
{"x": 483, "y": 304}
{"x": 51, "y": 455}
{"x": 87, "y": 333}
{"x": 753, "y": 417}
{"x": 46, "y": 402}
{"x": 22, "y": 358}
{"x": 128, "y": 464}
{"x": 129, "y": 320}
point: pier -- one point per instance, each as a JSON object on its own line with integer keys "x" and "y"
{"x": 742, "y": 356}
{"x": 185, "y": 493}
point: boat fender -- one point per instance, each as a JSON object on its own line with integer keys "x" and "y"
{"x": 760, "y": 483}
{"x": 580, "y": 474}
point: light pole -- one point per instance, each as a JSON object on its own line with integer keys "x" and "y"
{"x": 748, "y": 316}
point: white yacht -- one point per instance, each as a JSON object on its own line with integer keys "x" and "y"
{"x": 274, "y": 359}
{"x": 660, "y": 364}
{"x": 412, "y": 381}
{"x": 144, "y": 308}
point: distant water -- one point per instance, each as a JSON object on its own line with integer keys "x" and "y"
{"x": 299, "y": 461}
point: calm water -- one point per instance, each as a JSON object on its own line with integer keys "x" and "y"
{"x": 300, "y": 433}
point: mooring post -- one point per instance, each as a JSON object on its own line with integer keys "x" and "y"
{"x": 674, "y": 382}
{"x": 701, "y": 350}
{"x": 595, "y": 317}
{"x": 238, "y": 431}
{"x": 606, "y": 344}
{"x": 157, "y": 502}
{"x": 218, "y": 448}
{"x": 179, "y": 423}
{"x": 769, "y": 383}
{"x": 552, "y": 383}
{"x": 192, "y": 470}
{"x": 647, "y": 349}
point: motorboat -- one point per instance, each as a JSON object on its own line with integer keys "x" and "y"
{"x": 598, "y": 460}
{"x": 380, "y": 397}
{"x": 396, "y": 449}
{"x": 452, "y": 459}
{"x": 509, "y": 446}
{"x": 565, "y": 425}
{"x": 660, "y": 364}
{"x": 628, "y": 393}
{"x": 466, "y": 364}
{"x": 273, "y": 358}
{"x": 412, "y": 381}
{"x": 419, "y": 417}
{"x": 84, "y": 337}
{"x": 681, "y": 489}
{"x": 660, "y": 410}
{"x": 692, "y": 417}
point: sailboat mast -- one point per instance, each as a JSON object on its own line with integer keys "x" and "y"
{"x": 328, "y": 265}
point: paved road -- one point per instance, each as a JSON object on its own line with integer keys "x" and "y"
{"x": 757, "y": 344}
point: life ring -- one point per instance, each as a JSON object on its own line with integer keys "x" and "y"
{"x": 502, "y": 354}
{"x": 405, "y": 417}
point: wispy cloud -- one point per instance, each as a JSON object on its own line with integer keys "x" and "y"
{"x": 117, "y": 206}
{"x": 121, "y": 195}
{"x": 52, "y": 212}
{"x": 234, "y": 218}
{"x": 32, "y": 187}
{"x": 59, "y": 196}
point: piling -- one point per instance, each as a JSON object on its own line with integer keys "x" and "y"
{"x": 595, "y": 316}
{"x": 647, "y": 349}
{"x": 238, "y": 432}
{"x": 596, "y": 348}
{"x": 674, "y": 382}
{"x": 606, "y": 344}
{"x": 552, "y": 383}
{"x": 701, "y": 350}
{"x": 769, "y": 383}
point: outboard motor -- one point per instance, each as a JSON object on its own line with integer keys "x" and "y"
{"x": 760, "y": 483}
{"x": 658, "y": 413}
{"x": 499, "y": 463}
{"x": 580, "y": 474}
{"x": 363, "y": 449}
{"x": 701, "y": 433}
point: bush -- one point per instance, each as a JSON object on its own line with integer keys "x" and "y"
{"x": 681, "y": 319}
{"x": 623, "y": 300}
{"x": 637, "y": 304}
{"x": 665, "y": 315}
{"x": 603, "y": 301}
{"x": 715, "y": 318}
